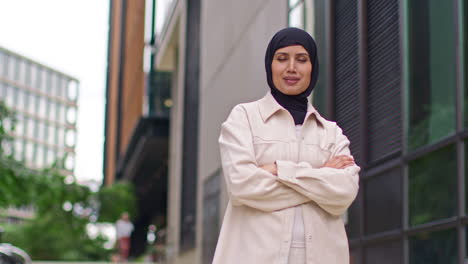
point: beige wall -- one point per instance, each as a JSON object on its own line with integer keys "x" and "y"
{"x": 233, "y": 43}
{"x": 235, "y": 35}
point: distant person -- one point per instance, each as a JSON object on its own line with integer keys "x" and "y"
{"x": 124, "y": 229}
{"x": 289, "y": 172}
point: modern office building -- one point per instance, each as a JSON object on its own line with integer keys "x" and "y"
{"x": 392, "y": 75}
{"x": 44, "y": 101}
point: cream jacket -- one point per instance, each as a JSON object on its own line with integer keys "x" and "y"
{"x": 257, "y": 226}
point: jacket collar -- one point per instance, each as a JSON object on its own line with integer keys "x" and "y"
{"x": 268, "y": 106}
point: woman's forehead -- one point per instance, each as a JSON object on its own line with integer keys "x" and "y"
{"x": 294, "y": 49}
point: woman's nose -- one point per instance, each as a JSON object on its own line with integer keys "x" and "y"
{"x": 291, "y": 66}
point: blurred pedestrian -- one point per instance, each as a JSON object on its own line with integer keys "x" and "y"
{"x": 289, "y": 171}
{"x": 124, "y": 230}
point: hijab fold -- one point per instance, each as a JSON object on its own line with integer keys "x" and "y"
{"x": 295, "y": 104}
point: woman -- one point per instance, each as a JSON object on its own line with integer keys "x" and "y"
{"x": 289, "y": 172}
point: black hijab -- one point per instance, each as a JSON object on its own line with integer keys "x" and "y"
{"x": 295, "y": 104}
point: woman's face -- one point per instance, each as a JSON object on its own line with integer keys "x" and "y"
{"x": 291, "y": 69}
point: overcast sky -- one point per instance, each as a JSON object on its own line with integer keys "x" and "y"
{"x": 70, "y": 36}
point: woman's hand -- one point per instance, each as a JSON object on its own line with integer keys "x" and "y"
{"x": 271, "y": 168}
{"x": 339, "y": 162}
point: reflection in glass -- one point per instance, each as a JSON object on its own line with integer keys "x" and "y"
{"x": 432, "y": 71}
{"x": 388, "y": 252}
{"x": 296, "y": 16}
{"x": 433, "y": 186}
{"x": 383, "y": 202}
{"x": 433, "y": 248}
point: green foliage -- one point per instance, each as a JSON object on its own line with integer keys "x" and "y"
{"x": 116, "y": 199}
{"x": 63, "y": 208}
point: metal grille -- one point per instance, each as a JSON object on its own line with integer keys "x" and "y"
{"x": 384, "y": 102}
{"x": 347, "y": 101}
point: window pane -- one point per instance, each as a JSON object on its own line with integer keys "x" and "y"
{"x": 433, "y": 186}
{"x": 432, "y": 71}
{"x": 383, "y": 198}
{"x": 354, "y": 217}
{"x": 296, "y": 16}
{"x": 389, "y": 252}
{"x": 19, "y": 149}
{"x": 434, "y": 248}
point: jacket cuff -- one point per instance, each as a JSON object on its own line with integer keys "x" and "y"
{"x": 286, "y": 170}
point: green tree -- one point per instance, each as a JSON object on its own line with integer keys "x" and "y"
{"x": 63, "y": 208}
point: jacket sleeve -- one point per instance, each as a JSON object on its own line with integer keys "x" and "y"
{"x": 247, "y": 183}
{"x": 332, "y": 189}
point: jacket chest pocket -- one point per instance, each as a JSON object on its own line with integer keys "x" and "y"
{"x": 314, "y": 154}
{"x": 268, "y": 151}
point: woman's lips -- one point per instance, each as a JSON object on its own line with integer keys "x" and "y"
{"x": 291, "y": 81}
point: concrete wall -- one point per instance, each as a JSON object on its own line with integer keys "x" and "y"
{"x": 235, "y": 35}
{"x": 234, "y": 38}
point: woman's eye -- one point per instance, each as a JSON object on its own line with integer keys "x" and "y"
{"x": 302, "y": 59}
{"x": 281, "y": 59}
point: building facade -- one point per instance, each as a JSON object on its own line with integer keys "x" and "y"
{"x": 44, "y": 102}
{"x": 392, "y": 75}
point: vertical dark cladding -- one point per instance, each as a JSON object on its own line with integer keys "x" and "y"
{"x": 123, "y": 37}
{"x": 384, "y": 80}
{"x": 190, "y": 130}
{"x": 347, "y": 84}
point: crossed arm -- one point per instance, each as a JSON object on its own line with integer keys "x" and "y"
{"x": 272, "y": 187}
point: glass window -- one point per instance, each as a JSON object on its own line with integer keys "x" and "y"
{"x": 32, "y": 103}
{"x": 71, "y": 115}
{"x": 433, "y": 186}
{"x": 40, "y": 156}
{"x": 51, "y": 134}
{"x": 42, "y": 107}
{"x": 11, "y": 67}
{"x": 21, "y": 99}
{"x": 52, "y": 91}
{"x": 2, "y": 63}
{"x": 69, "y": 162}
{"x": 61, "y": 137}
{"x": 19, "y": 125}
{"x": 61, "y": 87}
{"x": 31, "y": 128}
{"x": 433, "y": 248}
{"x": 19, "y": 149}
{"x": 9, "y": 94}
{"x": 50, "y": 157}
{"x": 40, "y": 131}
{"x": 72, "y": 91}
{"x": 432, "y": 71}
{"x": 70, "y": 138}
{"x": 383, "y": 202}
{"x": 388, "y": 252}
{"x": 297, "y": 14}
{"x": 61, "y": 114}
{"x": 319, "y": 33}
{"x": 21, "y": 71}
{"x": 29, "y": 151}
{"x": 44, "y": 80}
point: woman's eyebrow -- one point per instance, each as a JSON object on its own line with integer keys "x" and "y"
{"x": 297, "y": 54}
